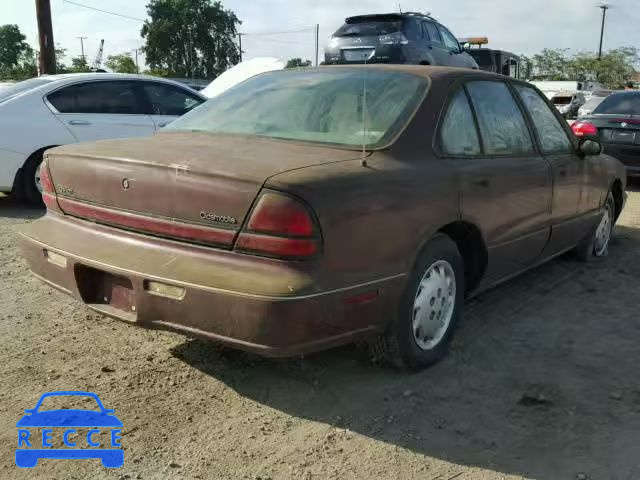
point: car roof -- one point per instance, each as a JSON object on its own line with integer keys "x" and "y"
{"x": 65, "y": 77}
{"x": 390, "y": 16}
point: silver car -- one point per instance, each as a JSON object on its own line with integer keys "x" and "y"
{"x": 596, "y": 99}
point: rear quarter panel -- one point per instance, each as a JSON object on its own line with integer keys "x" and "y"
{"x": 374, "y": 218}
{"x": 27, "y": 125}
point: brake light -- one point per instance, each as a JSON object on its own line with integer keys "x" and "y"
{"x": 396, "y": 38}
{"x": 280, "y": 226}
{"x": 584, "y": 129}
{"x": 48, "y": 190}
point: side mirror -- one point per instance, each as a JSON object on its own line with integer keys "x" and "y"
{"x": 589, "y": 148}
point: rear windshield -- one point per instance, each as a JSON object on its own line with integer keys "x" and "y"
{"x": 328, "y": 107}
{"x": 484, "y": 58}
{"x": 21, "y": 87}
{"x": 368, "y": 27}
{"x": 561, "y": 100}
{"x": 620, "y": 104}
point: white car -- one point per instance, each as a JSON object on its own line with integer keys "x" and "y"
{"x": 48, "y": 111}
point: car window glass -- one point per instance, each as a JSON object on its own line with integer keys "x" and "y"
{"x": 458, "y": 133}
{"x": 553, "y": 138}
{"x": 412, "y": 29}
{"x": 323, "y": 106}
{"x": 620, "y": 104}
{"x": 502, "y": 126}
{"x": 432, "y": 32}
{"x": 449, "y": 40}
{"x": 96, "y": 97}
{"x": 169, "y": 100}
{"x": 364, "y": 26}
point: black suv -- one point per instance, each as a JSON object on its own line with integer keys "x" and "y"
{"x": 411, "y": 38}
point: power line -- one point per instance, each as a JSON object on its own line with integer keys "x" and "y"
{"x": 103, "y": 11}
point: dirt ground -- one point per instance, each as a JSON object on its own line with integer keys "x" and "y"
{"x": 542, "y": 382}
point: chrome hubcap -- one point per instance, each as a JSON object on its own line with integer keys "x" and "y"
{"x": 434, "y": 304}
{"x": 603, "y": 233}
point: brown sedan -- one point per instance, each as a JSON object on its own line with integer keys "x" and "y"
{"x": 305, "y": 209}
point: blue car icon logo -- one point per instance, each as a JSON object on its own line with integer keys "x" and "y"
{"x": 36, "y": 433}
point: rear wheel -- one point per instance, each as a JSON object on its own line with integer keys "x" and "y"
{"x": 29, "y": 188}
{"x": 422, "y": 332}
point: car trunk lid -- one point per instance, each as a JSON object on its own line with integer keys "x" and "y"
{"x": 618, "y": 129}
{"x": 189, "y": 186}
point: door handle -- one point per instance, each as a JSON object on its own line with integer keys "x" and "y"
{"x": 562, "y": 173}
{"x": 163, "y": 124}
{"x": 484, "y": 183}
{"x": 79, "y": 122}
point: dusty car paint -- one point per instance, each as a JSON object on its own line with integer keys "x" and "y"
{"x": 375, "y": 210}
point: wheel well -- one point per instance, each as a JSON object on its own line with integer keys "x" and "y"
{"x": 17, "y": 179}
{"x": 616, "y": 191}
{"x": 471, "y": 245}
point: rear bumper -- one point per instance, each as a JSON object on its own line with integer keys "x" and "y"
{"x": 628, "y": 155}
{"x": 265, "y": 306}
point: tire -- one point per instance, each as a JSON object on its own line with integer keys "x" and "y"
{"x": 414, "y": 341}
{"x": 594, "y": 245}
{"x": 27, "y": 190}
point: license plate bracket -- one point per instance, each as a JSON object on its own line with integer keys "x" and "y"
{"x": 103, "y": 288}
{"x": 357, "y": 54}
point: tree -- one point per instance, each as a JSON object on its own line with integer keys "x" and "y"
{"x": 190, "y": 38}
{"x": 614, "y": 68}
{"x": 79, "y": 65}
{"x": 298, "y": 63}
{"x": 122, "y": 63}
{"x": 14, "y": 51}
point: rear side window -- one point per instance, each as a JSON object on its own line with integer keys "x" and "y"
{"x": 458, "y": 134}
{"x": 169, "y": 100}
{"x": 620, "y": 104}
{"x": 502, "y": 126}
{"x": 97, "y": 97}
{"x": 553, "y": 138}
{"x": 412, "y": 29}
{"x": 431, "y": 32}
{"x": 369, "y": 27}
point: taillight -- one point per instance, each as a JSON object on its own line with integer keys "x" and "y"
{"x": 280, "y": 226}
{"x": 48, "y": 190}
{"x": 584, "y": 129}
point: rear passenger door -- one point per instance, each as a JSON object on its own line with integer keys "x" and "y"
{"x": 165, "y": 103}
{"x": 505, "y": 185}
{"x": 101, "y": 110}
{"x": 575, "y": 200}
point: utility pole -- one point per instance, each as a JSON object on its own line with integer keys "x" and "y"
{"x": 137, "y": 67}
{"x": 240, "y": 44}
{"x": 317, "y": 43}
{"x": 82, "y": 39}
{"x": 45, "y": 37}
{"x": 604, "y": 8}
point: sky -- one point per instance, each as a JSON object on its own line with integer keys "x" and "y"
{"x": 520, "y": 26}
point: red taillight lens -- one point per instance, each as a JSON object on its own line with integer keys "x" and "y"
{"x": 280, "y": 226}
{"x": 45, "y": 177}
{"x": 584, "y": 129}
{"x": 48, "y": 190}
{"x": 281, "y": 215}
